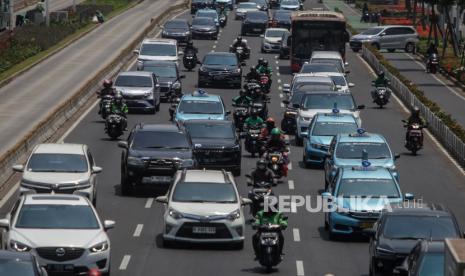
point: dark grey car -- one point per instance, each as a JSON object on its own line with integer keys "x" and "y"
{"x": 167, "y": 73}
{"x": 178, "y": 29}
{"x": 204, "y": 27}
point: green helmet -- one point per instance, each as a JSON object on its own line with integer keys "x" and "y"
{"x": 275, "y": 131}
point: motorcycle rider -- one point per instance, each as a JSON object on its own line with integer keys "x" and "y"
{"x": 269, "y": 126}
{"x": 262, "y": 173}
{"x": 119, "y": 107}
{"x": 253, "y": 74}
{"x": 414, "y": 118}
{"x": 239, "y": 42}
{"x": 381, "y": 81}
{"x": 242, "y": 99}
{"x": 254, "y": 121}
{"x": 270, "y": 215}
{"x": 275, "y": 143}
{"x": 263, "y": 68}
{"x": 106, "y": 90}
{"x": 221, "y": 10}
{"x": 432, "y": 49}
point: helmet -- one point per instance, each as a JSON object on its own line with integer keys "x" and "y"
{"x": 239, "y": 39}
{"x": 242, "y": 92}
{"x": 261, "y": 164}
{"x": 381, "y": 74}
{"x": 275, "y": 131}
{"x": 118, "y": 98}
{"x": 94, "y": 272}
{"x": 265, "y": 62}
{"x": 190, "y": 43}
{"x": 261, "y": 61}
{"x": 254, "y": 112}
{"x": 416, "y": 111}
{"x": 253, "y": 69}
{"x": 107, "y": 83}
{"x": 270, "y": 123}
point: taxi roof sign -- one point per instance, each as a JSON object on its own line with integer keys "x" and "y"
{"x": 361, "y": 132}
{"x": 200, "y": 93}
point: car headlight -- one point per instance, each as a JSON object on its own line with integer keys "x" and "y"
{"x": 202, "y": 69}
{"x": 305, "y": 118}
{"x": 148, "y": 93}
{"x": 234, "y": 215}
{"x": 165, "y": 33}
{"x": 236, "y": 147}
{"x": 176, "y": 85}
{"x": 83, "y": 185}
{"x": 103, "y": 246}
{"x": 237, "y": 71}
{"x": 175, "y": 214}
{"x": 135, "y": 161}
{"x": 317, "y": 146}
{"x": 19, "y": 247}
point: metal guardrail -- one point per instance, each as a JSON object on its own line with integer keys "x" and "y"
{"x": 442, "y": 132}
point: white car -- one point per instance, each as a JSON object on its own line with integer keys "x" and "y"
{"x": 157, "y": 49}
{"x": 332, "y": 57}
{"x": 339, "y": 80}
{"x": 245, "y": 7}
{"x": 227, "y": 3}
{"x": 60, "y": 168}
{"x": 309, "y": 82}
{"x": 272, "y": 39}
{"x": 64, "y": 232}
{"x": 204, "y": 206}
{"x": 323, "y": 102}
{"x": 291, "y": 5}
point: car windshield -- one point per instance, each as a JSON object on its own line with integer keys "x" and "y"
{"x": 304, "y": 87}
{"x": 353, "y": 150}
{"x": 419, "y": 227}
{"x": 56, "y": 216}
{"x": 339, "y": 80}
{"x": 290, "y": 2}
{"x": 327, "y": 101}
{"x": 16, "y": 266}
{"x": 176, "y": 25}
{"x": 150, "y": 49}
{"x": 432, "y": 264}
{"x": 213, "y": 131}
{"x": 260, "y": 2}
{"x": 296, "y": 97}
{"x": 247, "y": 5}
{"x": 162, "y": 70}
{"x": 204, "y": 192}
{"x": 228, "y": 60}
{"x": 274, "y": 33}
{"x": 368, "y": 187}
{"x": 372, "y": 31}
{"x": 333, "y": 61}
{"x": 319, "y": 68}
{"x": 57, "y": 162}
{"x": 257, "y": 16}
{"x": 160, "y": 140}
{"x": 282, "y": 15}
{"x": 333, "y": 128}
{"x": 200, "y": 107}
{"x": 202, "y": 21}
{"x": 133, "y": 81}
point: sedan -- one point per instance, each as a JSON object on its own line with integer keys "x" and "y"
{"x": 261, "y": 4}
{"x": 177, "y": 29}
{"x": 220, "y": 67}
{"x": 272, "y": 40}
{"x": 254, "y": 22}
{"x": 291, "y": 5}
{"x": 281, "y": 19}
{"x": 243, "y": 8}
{"x": 204, "y": 27}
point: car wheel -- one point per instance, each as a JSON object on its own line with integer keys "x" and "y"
{"x": 239, "y": 245}
{"x": 126, "y": 188}
{"x": 167, "y": 243}
{"x": 373, "y": 271}
{"x": 391, "y": 50}
{"x": 376, "y": 45}
{"x": 331, "y": 236}
{"x": 410, "y": 47}
{"x": 157, "y": 107}
{"x": 236, "y": 172}
{"x": 306, "y": 164}
{"x": 355, "y": 50}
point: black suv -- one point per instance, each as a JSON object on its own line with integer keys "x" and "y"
{"x": 426, "y": 258}
{"x": 220, "y": 68}
{"x": 152, "y": 154}
{"x": 167, "y": 73}
{"x": 216, "y": 145}
{"x": 254, "y": 22}
{"x": 398, "y": 230}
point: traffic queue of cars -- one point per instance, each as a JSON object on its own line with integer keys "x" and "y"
{"x": 196, "y": 157}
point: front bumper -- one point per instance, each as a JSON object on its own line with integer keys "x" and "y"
{"x": 151, "y": 175}
{"x": 208, "y": 34}
{"x": 253, "y": 28}
{"x": 271, "y": 47}
{"x": 140, "y": 104}
{"x": 218, "y": 159}
{"x": 345, "y": 224}
{"x": 229, "y": 78}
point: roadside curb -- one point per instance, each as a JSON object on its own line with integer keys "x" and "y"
{"x": 44, "y": 130}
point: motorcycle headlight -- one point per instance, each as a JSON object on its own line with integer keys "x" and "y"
{"x": 100, "y": 247}
{"x": 234, "y": 215}
{"x": 19, "y": 247}
{"x": 274, "y": 159}
{"x": 135, "y": 161}
{"x": 175, "y": 214}
{"x": 176, "y": 85}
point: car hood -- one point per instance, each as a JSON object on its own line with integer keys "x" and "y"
{"x": 176, "y": 31}
{"x": 273, "y": 39}
{"x": 200, "y": 143}
{"x": 362, "y": 37}
{"x": 365, "y": 204}
{"x": 245, "y": 10}
{"x": 397, "y": 245}
{"x": 187, "y": 116}
{"x": 133, "y": 91}
{"x": 54, "y": 178}
{"x": 203, "y": 27}
{"x": 322, "y": 140}
{"x": 162, "y": 153}
{"x": 374, "y": 162}
{"x": 218, "y": 67}
{"x": 204, "y": 209}
{"x": 168, "y": 58}
{"x": 58, "y": 237}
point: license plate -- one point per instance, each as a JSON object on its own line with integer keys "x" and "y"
{"x": 257, "y": 30}
{"x": 365, "y": 225}
{"x": 156, "y": 179}
{"x": 218, "y": 77}
{"x": 203, "y": 230}
{"x": 60, "y": 267}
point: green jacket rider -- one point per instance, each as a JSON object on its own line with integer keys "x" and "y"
{"x": 242, "y": 99}
{"x": 263, "y": 217}
{"x": 254, "y": 121}
{"x": 381, "y": 80}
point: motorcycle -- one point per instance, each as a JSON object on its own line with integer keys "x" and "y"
{"x": 174, "y": 101}
{"x": 240, "y": 114}
{"x": 257, "y": 195}
{"x": 265, "y": 83}
{"x": 252, "y": 142}
{"x": 288, "y": 123}
{"x": 268, "y": 247}
{"x": 114, "y": 125}
{"x": 223, "y": 20}
{"x": 414, "y": 137}
{"x": 105, "y": 106}
{"x": 277, "y": 164}
{"x": 189, "y": 60}
{"x": 242, "y": 54}
{"x": 381, "y": 95}
{"x": 432, "y": 63}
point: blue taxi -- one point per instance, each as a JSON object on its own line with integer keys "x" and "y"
{"x": 356, "y": 197}
{"x": 322, "y": 129}
{"x": 200, "y": 105}
{"x": 346, "y": 150}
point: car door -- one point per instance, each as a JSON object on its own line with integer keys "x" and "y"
{"x": 10, "y": 216}
{"x": 93, "y": 176}
{"x": 388, "y": 37}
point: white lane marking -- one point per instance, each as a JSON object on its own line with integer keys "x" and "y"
{"x": 291, "y": 184}
{"x": 280, "y": 88}
{"x": 138, "y": 230}
{"x": 436, "y": 78}
{"x": 125, "y": 262}
{"x": 293, "y": 207}
{"x": 289, "y": 166}
{"x": 280, "y": 95}
{"x": 296, "y": 233}
{"x": 300, "y": 268}
{"x": 282, "y": 104}
{"x": 279, "y": 80}
{"x": 277, "y": 62}
{"x": 214, "y": 46}
{"x": 406, "y": 110}
{"x": 277, "y": 67}
{"x": 278, "y": 74}
{"x": 216, "y": 42}
{"x": 149, "y": 203}
{"x": 276, "y": 57}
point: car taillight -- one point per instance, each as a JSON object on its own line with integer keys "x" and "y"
{"x": 295, "y": 67}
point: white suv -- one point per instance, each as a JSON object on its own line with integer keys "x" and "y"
{"x": 204, "y": 206}
{"x": 157, "y": 49}
{"x": 64, "y": 232}
{"x": 61, "y": 169}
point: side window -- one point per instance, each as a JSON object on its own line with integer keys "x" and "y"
{"x": 390, "y": 31}
{"x": 14, "y": 210}
{"x": 407, "y": 31}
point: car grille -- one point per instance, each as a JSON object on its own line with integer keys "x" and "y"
{"x": 133, "y": 97}
{"x": 54, "y": 254}
{"x": 219, "y": 73}
{"x": 370, "y": 216}
{"x": 216, "y": 156}
{"x": 356, "y": 44}
{"x": 162, "y": 166}
{"x": 185, "y": 231}
{"x": 255, "y": 25}
{"x": 203, "y": 30}
{"x": 164, "y": 89}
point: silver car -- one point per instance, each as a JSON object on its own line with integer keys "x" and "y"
{"x": 61, "y": 169}
{"x": 140, "y": 90}
{"x": 390, "y": 37}
{"x": 64, "y": 232}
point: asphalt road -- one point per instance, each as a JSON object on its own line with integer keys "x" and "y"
{"x": 430, "y": 175}
{"x": 57, "y": 5}
{"x": 29, "y": 98}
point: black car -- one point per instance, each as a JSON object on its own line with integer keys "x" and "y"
{"x": 23, "y": 264}
{"x": 167, "y": 73}
{"x": 201, "y": 4}
{"x": 255, "y": 22}
{"x": 398, "y": 230}
{"x": 204, "y": 27}
{"x": 426, "y": 258}
{"x": 284, "y": 49}
{"x": 281, "y": 19}
{"x": 178, "y": 29}
{"x": 152, "y": 154}
{"x": 216, "y": 144}
{"x": 220, "y": 67}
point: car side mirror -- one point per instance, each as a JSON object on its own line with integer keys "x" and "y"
{"x": 296, "y": 105}
{"x": 136, "y": 52}
{"x": 382, "y": 34}
{"x": 5, "y": 223}
{"x": 96, "y": 169}
{"x": 18, "y": 168}
{"x": 362, "y": 106}
{"x": 108, "y": 224}
{"x": 162, "y": 199}
{"x": 182, "y": 77}
{"x": 262, "y": 36}
{"x": 409, "y": 196}
{"x": 351, "y": 84}
{"x": 286, "y": 102}
{"x": 228, "y": 112}
{"x": 123, "y": 144}
{"x": 346, "y": 64}
{"x": 396, "y": 156}
{"x": 245, "y": 201}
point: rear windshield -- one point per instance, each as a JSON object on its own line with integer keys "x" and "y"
{"x": 133, "y": 81}
{"x": 160, "y": 140}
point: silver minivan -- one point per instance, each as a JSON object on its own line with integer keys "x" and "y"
{"x": 390, "y": 37}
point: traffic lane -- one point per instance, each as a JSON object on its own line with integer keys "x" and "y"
{"x": 27, "y": 99}
{"x": 446, "y": 94}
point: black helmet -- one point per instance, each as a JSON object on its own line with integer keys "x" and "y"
{"x": 416, "y": 111}
{"x": 265, "y": 62}
{"x": 254, "y": 112}
{"x": 107, "y": 83}
{"x": 270, "y": 123}
{"x": 381, "y": 74}
{"x": 261, "y": 61}
{"x": 239, "y": 38}
{"x": 242, "y": 92}
{"x": 261, "y": 164}
{"x": 190, "y": 43}
{"x": 253, "y": 69}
